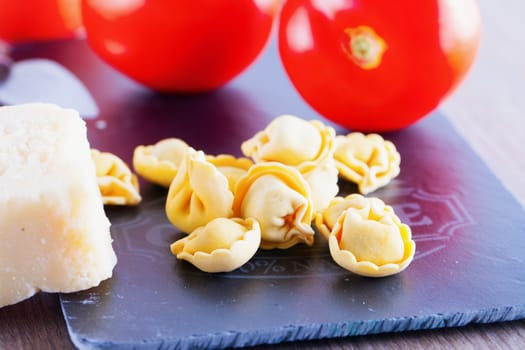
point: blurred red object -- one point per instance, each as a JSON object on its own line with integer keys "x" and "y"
{"x": 379, "y": 65}
{"x": 37, "y": 20}
{"x": 179, "y": 45}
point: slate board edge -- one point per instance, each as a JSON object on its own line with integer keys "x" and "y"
{"x": 238, "y": 339}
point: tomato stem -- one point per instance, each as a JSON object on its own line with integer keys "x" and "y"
{"x": 364, "y": 47}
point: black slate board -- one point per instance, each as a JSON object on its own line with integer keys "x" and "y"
{"x": 470, "y": 232}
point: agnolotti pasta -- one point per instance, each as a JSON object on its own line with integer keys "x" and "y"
{"x": 233, "y": 168}
{"x": 287, "y": 139}
{"x": 231, "y": 206}
{"x": 222, "y": 245}
{"x": 159, "y": 163}
{"x": 371, "y": 241}
{"x": 278, "y": 197}
{"x": 198, "y": 194}
{"x": 367, "y": 160}
{"x": 325, "y": 220}
{"x": 305, "y": 145}
{"x": 117, "y": 184}
{"x": 322, "y": 178}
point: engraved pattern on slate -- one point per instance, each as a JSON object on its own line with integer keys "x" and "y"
{"x": 151, "y": 225}
{"x": 433, "y": 217}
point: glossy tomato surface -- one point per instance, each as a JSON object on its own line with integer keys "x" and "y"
{"x": 179, "y": 45}
{"x": 36, "y": 20}
{"x": 376, "y": 65}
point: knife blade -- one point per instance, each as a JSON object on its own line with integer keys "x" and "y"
{"x": 44, "y": 80}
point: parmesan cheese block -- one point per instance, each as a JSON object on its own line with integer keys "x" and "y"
{"x": 54, "y": 234}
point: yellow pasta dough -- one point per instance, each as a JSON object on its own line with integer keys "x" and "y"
{"x": 371, "y": 241}
{"x": 278, "y": 197}
{"x": 368, "y": 160}
{"x": 198, "y": 194}
{"x": 117, "y": 184}
{"x": 305, "y": 145}
{"x": 159, "y": 163}
{"x": 233, "y": 168}
{"x": 322, "y": 178}
{"x": 325, "y": 220}
{"x": 221, "y": 245}
{"x": 287, "y": 139}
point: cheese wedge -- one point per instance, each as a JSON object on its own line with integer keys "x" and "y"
{"x": 54, "y": 234}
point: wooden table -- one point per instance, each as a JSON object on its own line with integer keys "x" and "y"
{"x": 488, "y": 110}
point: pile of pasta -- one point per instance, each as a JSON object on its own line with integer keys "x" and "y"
{"x": 272, "y": 198}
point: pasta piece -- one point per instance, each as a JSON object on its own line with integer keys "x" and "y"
{"x": 288, "y": 140}
{"x": 279, "y": 198}
{"x": 158, "y": 163}
{"x": 367, "y": 160}
{"x": 306, "y": 145}
{"x": 233, "y": 168}
{"x": 371, "y": 242}
{"x": 117, "y": 184}
{"x": 222, "y": 245}
{"x": 198, "y": 194}
{"x": 322, "y": 178}
{"x": 325, "y": 220}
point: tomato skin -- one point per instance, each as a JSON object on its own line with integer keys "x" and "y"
{"x": 37, "y": 20}
{"x": 179, "y": 45}
{"x": 429, "y": 48}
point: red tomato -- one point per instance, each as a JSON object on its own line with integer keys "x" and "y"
{"x": 179, "y": 45}
{"x": 33, "y": 20}
{"x": 377, "y": 65}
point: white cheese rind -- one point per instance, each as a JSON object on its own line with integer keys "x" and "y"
{"x": 54, "y": 234}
